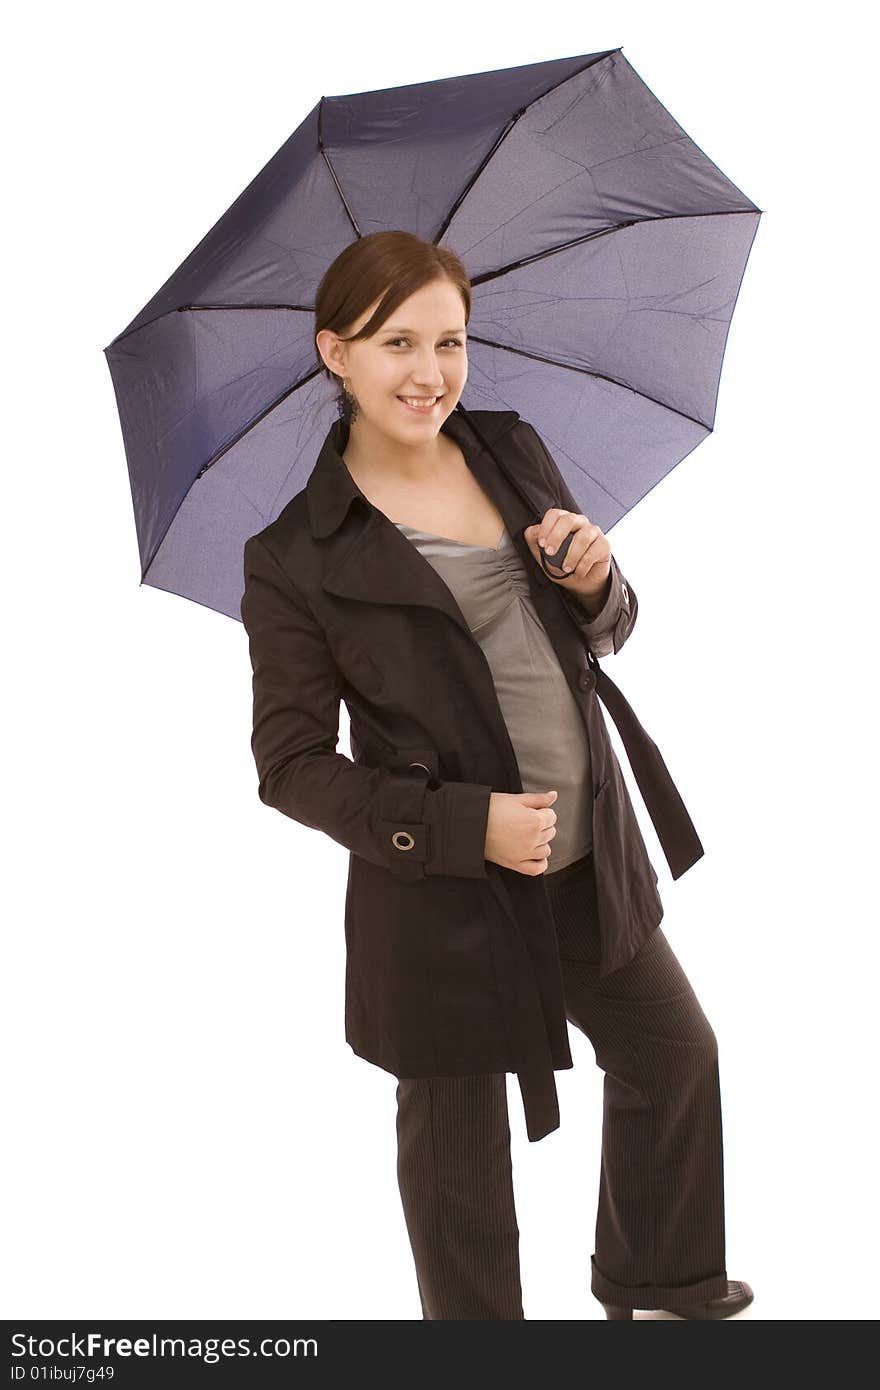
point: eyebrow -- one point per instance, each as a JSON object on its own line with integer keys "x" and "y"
{"x": 395, "y": 329}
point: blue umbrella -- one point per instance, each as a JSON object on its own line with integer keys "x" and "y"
{"x": 605, "y": 251}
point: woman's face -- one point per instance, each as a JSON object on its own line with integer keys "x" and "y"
{"x": 419, "y": 353}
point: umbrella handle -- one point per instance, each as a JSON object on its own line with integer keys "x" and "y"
{"x": 558, "y": 557}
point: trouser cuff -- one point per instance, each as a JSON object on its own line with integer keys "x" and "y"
{"x": 655, "y": 1295}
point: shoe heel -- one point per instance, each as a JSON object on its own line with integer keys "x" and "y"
{"x": 615, "y": 1314}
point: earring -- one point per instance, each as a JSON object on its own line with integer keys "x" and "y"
{"x": 348, "y": 406}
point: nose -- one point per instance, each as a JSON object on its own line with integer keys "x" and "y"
{"x": 428, "y": 375}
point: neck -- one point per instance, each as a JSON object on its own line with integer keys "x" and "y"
{"x": 371, "y": 452}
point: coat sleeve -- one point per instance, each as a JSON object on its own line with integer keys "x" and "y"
{"x": 402, "y": 821}
{"x": 606, "y": 632}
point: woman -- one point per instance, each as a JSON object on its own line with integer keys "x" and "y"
{"x": 498, "y": 883}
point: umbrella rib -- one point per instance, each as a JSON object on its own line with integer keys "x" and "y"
{"x": 539, "y": 96}
{"x": 230, "y": 443}
{"x": 186, "y": 308}
{"x": 604, "y": 231}
{"x": 327, "y": 161}
{"x": 585, "y": 371}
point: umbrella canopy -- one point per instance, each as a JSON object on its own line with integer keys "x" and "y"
{"x": 605, "y": 251}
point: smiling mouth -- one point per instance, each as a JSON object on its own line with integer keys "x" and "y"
{"x": 425, "y": 406}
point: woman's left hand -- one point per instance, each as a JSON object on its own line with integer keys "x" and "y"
{"x": 588, "y": 559}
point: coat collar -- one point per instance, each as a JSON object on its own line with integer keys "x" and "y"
{"x": 373, "y": 561}
{"x": 331, "y": 489}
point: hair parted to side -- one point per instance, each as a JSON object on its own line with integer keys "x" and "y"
{"x": 388, "y": 266}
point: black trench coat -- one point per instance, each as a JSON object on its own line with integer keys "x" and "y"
{"x": 452, "y": 962}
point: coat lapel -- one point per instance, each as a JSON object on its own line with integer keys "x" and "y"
{"x": 369, "y": 558}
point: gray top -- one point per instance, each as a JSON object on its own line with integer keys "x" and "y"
{"x": 491, "y": 588}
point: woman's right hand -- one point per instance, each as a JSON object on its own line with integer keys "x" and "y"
{"x": 519, "y": 828}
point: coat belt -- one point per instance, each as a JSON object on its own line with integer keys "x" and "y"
{"x": 519, "y": 992}
{"x": 528, "y": 1016}
{"x": 674, "y": 827}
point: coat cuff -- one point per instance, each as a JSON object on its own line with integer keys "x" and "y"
{"x": 465, "y": 818}
{"x": 616, "y": 605}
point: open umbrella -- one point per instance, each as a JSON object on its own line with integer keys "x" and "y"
{"x": 605, "y": 250}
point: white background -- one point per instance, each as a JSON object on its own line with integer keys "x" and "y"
{"x": 189, "y": 1134}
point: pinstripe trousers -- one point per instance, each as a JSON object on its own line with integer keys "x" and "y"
{"x": 659, "y": 1237}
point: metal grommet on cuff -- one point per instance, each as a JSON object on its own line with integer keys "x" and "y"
{"x": 427, "y": 769}
{"x": 402, "y": 835}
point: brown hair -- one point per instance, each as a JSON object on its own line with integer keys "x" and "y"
{"x": 392, "y": 265}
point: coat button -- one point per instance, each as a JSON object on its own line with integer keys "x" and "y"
{"x": 399, "y": 839}
{"x": 586, "y": 680}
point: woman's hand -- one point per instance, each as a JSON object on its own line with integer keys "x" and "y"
{"x": 588, "y": 560}
{"x": 518, "y": 830}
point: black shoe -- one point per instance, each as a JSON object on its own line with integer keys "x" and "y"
{"x": 739, "y": 1295}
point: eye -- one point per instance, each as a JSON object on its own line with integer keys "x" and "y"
{"x": 454, "y": 341}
